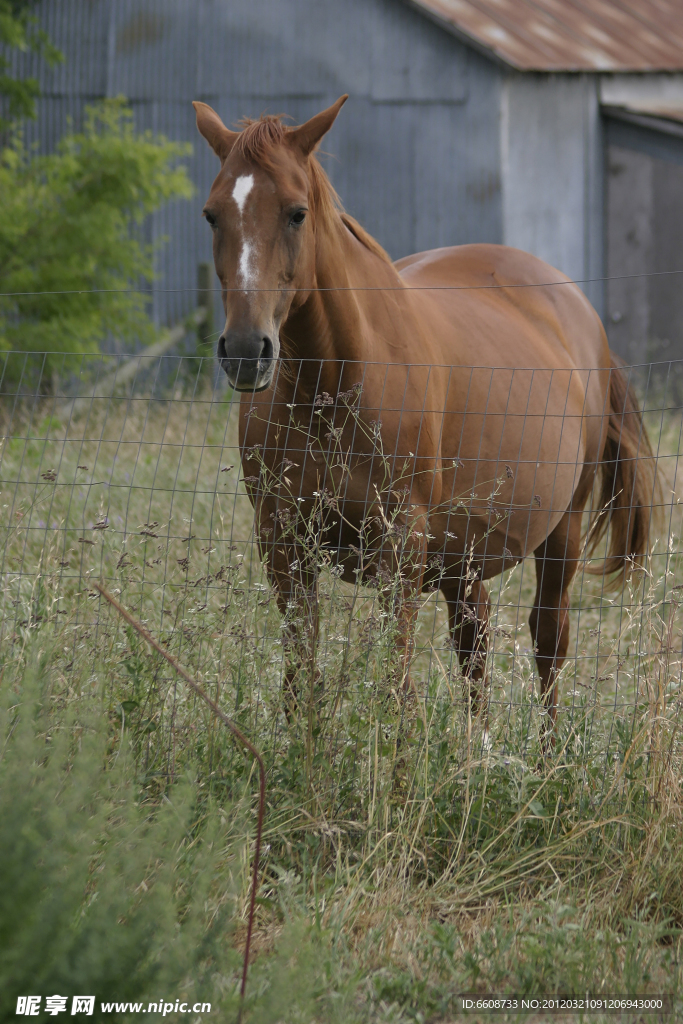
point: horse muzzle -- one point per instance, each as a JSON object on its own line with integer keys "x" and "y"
{"x": 247, "y": 359}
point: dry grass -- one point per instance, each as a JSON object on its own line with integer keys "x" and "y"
{"x": 432, "y": 862}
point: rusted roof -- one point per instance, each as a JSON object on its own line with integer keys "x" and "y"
{"x": 569, "y": 35}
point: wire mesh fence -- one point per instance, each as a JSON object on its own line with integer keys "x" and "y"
{"x": 345, "y": 627}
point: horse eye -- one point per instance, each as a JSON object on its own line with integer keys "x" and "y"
{"x": 298, "y": 218}
{"x": 210, "y": 219}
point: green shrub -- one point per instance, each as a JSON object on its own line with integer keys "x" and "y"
{"x": 104, "y": 894}
{"x": 19, "y": 31}
{"x": 70, "y": 230}
{"x": 100, "y": 895}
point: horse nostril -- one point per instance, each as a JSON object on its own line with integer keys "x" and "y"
{"x": 245, "y": 354}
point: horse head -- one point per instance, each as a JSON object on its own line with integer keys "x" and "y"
{"x": 261, "y": 210}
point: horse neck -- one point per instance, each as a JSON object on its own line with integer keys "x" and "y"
{"x": 338, "y": 321}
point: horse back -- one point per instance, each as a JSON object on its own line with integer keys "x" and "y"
{"x": 495, "y": 306}
{"x": 517, "y": 309}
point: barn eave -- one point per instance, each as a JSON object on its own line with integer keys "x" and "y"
{"x": 572, "y": 46}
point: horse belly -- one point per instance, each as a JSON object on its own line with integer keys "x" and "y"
{"x": 518, "y": 442}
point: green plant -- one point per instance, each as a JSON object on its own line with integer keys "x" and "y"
{"x": 72, "y": 259}
{"x": 101, "y": 893}
{"x": 18, "y": 31}
{"x": 109, "y": 893}
{"x": 405, "y": 860}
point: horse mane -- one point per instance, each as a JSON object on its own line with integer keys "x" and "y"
{"x": 256, "y": 142}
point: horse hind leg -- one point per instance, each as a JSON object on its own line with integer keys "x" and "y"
{"x": 557, "y": 560}
{"x": 469, "y": 622}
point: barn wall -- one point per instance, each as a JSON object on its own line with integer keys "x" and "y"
{"x": 552, "y": 174}
{"x": 644, "y": 230}
{"x": 415, "y": 154}
{"x": 644, "y": 216}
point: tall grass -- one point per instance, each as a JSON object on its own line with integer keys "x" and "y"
{"x": 427, "y": 857}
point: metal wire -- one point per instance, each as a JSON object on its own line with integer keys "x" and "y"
{"x": 144, "y": 489}
{"x": 148, "y": 489}
{"x": 351, "y": 288}
{"x": 241, "y": 738}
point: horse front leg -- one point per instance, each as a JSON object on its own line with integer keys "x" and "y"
{"x": 403, "y": 565}
{"x": 296, "y": 588}
{"x": 468, "y": 614}
{"x": 298, "y": 606}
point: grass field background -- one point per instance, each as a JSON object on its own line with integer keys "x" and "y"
{"x": 406, "y": 860}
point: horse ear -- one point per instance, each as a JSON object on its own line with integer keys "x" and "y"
{"x": 220, "y": 138}
{"x": 307, "y": 136}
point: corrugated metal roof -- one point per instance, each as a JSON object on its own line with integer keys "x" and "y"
{"x": 570, "y": 35}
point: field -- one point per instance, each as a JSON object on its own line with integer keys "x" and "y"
{"x": 408, "y": 858}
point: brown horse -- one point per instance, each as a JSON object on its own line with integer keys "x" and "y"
{"x": 438, "y": 418}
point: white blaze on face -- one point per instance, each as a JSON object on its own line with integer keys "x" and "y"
{"x": 243, "y": 186}
{"x": 247, "y": 261}
{"x": 246, "y": 264}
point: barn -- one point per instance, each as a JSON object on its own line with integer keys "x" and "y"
{"x": 551, "y": 125}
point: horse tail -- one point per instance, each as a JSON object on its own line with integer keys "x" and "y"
{"x": 627, "y": 485}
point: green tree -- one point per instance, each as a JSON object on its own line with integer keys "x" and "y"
{"x": 71, "y": 255}
{"x": 19, "y": 31}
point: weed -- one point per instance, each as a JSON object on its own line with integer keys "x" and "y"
{"x": 411, "y": 853}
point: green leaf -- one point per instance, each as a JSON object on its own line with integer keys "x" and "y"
{"x": 19, "y": 31}
{"x": 69, "y": 226}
